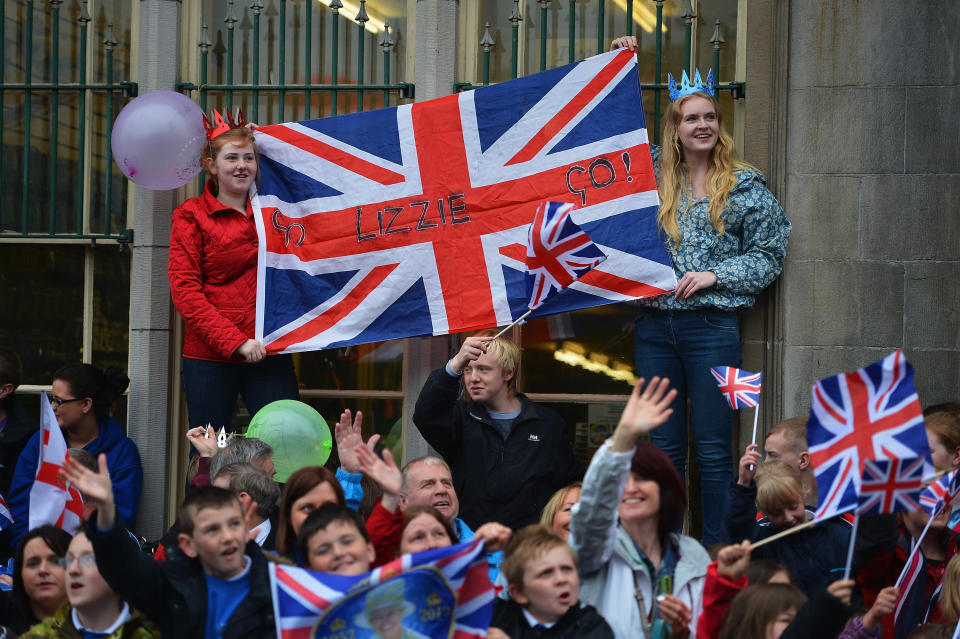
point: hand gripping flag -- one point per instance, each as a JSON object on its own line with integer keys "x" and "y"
{"x": 940, "y": 493}
{"x": 6, "y": 518}
{"x": 412, "y": 220}
{"x": 558, "y": 253}
{"x": 891, "y": 485}
{"x": 740, "y": 388}
{"x": 52, "y": 499}
{"x": 871, "y": 413}
{"x": 437, "y": 593}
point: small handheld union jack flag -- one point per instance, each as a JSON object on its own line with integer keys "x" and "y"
{"x": 940, "y": 493}
{"x": 891, "y": 485}
{"x": 558, "y": 252}
{"x": 5, "y": 517}
{"x": 740, "y": 388}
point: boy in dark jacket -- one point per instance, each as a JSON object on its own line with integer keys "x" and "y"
{"x": 544, "y": 585}
{"x": 508, "y": 455}
{"x": 216, "y": 585}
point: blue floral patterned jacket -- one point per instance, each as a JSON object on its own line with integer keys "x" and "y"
{"x": 746, "y": 258}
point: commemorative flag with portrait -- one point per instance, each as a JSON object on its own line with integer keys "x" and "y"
{"x": 435, "y": 594}
{"x": 412, "y": 220}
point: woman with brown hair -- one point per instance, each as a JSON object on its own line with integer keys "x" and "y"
{"x": 306, "y": 490}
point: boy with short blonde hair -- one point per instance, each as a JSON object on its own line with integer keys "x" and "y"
{"x": 544, "y": 587}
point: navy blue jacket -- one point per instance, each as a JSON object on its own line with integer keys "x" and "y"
{"x": 814, "y": 557}
{"x": 508, "y": 481}
{"x": 126, "y": 474}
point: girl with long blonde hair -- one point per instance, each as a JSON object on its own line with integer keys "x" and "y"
{"x": 727, "y": 236}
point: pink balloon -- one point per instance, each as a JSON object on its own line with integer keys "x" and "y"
{"x": 157, "y": 140}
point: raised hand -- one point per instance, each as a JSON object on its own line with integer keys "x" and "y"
{"x": 646, "y": 409}
{"x": 624, "y": 42}
{"x": 495, "y": 536}
{"x": 349, "y": 435}
{"x": 384, "y": 471}
{"x": 732, "y": 561}
{"x": 473, "y": 347}
{"x": 95, "y": 487}
{"x": 204, "y": 439}
{"x": 748, "y": 465}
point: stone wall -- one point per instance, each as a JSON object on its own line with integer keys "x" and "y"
{"x": 872, "y": 186}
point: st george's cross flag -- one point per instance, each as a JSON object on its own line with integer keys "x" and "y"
{"x": 740, "y": 388}
{"x": 891, "y": 485}
{"x": 52, "y": 499}
{"x": 434, "y": 594}
{"x": 412, "y": 220}
{"x": 871, "y": 413}
{"x": 558, "y": 253}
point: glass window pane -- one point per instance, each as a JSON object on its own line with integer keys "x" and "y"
{"x": 43, "y": 321}
{"x": 377, "y": 366}
{"x": 111, "y": 306}
{"x": 585, "y": 352}
{"x": 379, "y": 416}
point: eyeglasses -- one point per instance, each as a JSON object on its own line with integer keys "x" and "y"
{"x": 56, "y": 401}
{"x": 85, "y": 561}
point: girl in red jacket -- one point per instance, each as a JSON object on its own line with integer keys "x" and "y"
{"x": 213, "y": 281}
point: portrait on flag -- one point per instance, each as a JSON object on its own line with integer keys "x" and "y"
{"x": 413, "y": 220}
{"x": 434, "y": 594}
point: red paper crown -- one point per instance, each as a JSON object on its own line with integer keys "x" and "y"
{"x": 222, "y": 125}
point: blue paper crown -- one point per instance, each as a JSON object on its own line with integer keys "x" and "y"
{"x": 686, "y": 88}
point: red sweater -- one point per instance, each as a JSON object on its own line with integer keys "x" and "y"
{"x": 213, "y": 276}
{"x": 385, "y": 529}
{"x": 718, "y": 592}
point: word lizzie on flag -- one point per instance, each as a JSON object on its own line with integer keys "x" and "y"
{"x": 412, "y": 220}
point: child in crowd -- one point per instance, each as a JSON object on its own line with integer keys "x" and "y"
{"x": 215, "y": 586}
{"x": 94, "y": 610}
{"x": 334, "y": 539}
{"x": 942, "y": 422}
{"x": 811, "y": 556}
{"x": 541, "y": 570}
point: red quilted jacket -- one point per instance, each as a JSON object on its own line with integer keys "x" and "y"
{"x": 213, "y": 276}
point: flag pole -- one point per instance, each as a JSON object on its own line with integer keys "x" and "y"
{"x": 956, "y": 631}
{"x": 784, "y": 533}
{"x": 756, "y": 413}
{"x": 916, "y": 547}
{"x": 853, "y": 539}
{"x": 515, "y": 322}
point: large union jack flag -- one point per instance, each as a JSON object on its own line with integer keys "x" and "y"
{"x": 740, "y": 388}
{"x": 558, "y": 252}
{"x": 940, "y": 493}
{"x": 871, "y": 413}
{"x": 442, "y": 593}
{"x": 891, "y": 485}
{"x": 412, "y": 220}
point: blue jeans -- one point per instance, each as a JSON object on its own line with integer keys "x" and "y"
{"x": 683, "y": 345}
{"x": 211, "y": 388}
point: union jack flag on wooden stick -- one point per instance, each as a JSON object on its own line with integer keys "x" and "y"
{"x": 740, "y": 388}
{"x": 891, "y": 485}
{"x": 558, "y": 252}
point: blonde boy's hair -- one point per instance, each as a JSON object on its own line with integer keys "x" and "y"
{"x": 526, "y": 544}
{"x": 794, "y": 431}
{"x": 507, "y": 354}
{"x": 778, "y": 486}
{"x": 950, "y": 599}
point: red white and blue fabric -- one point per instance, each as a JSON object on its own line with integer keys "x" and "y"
{"x": 891, "y": 485}
{"x": 871, "y": 413}
{"x": 740, "y": 388}
{"x": 940, "y": 493}
{"x": 558, "y": 252}
{"x": 6, "y": 518}
{"x": 52, "y": 499}
{"x": 303, "y": 599}
{"x": 412, "y": 220}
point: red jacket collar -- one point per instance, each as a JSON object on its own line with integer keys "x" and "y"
{"x": 213, "y": 205}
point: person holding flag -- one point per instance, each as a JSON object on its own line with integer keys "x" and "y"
{"x": 79, "y": 413}
{"x": 727, "y": 235}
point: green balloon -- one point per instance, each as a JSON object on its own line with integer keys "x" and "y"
{"x": 297, "y": 433}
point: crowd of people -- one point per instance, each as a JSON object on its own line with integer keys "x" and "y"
{"x": 596, "y": 554}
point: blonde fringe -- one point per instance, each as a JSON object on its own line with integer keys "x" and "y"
{"x": 721, "y": 177}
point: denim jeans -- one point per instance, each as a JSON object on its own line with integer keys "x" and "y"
{"x": 211, "y": 388}
{"x": 683, "y": 345}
